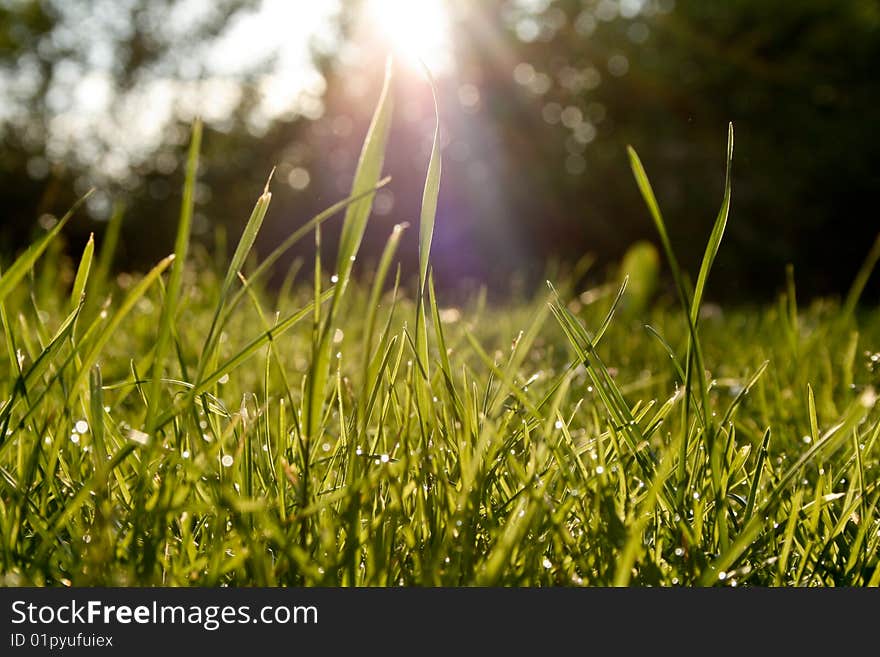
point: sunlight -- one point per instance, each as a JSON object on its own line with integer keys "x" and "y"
{"x": 415, "y": 29}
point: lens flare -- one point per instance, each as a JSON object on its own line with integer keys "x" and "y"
{"x": 415, "y": 29}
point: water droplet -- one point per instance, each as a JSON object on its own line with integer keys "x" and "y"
{"x": 74, "y": 438}
{"x": 807, "y": 439}
{"x": 87, "y": 538}
{"x": 223, "y": 379}
{"x": 547, "y": 563}
{"x": 679, "y": 552}
{"x": 81, "y": 426}
{"x": 385, "y": 458}
{"x": 47, "y": 440}
{"x": 558, "y": 424}
{"x": 338, "y": 336}
{"x": 722, "y": 576}
{"x": 599, "y": 469}
{"x": 326, "y": 447}
{"x": 226, "y": 460}
{"x": 334, "y": 278}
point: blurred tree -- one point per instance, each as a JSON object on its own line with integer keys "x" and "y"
{"x": 796, "y": 78}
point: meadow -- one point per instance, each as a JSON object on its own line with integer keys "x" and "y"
{"x": 192, "y": 425}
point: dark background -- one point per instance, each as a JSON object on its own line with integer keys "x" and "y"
{"x": 538, "y": 106}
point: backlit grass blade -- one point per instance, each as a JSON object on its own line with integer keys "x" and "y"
{"x": 366, "y": 178}
{"x": 430, "y": 192}
{"x": 427, "y": 217}
{"x": 82, "y": 273}
{"x": 717, "y": 233}
{"x": 313, "y": 223}
{"x": 376, "y": 291}
{"x": 245, "y": 244}
{"x": 175, "y": 280}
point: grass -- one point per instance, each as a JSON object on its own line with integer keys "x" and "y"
{"x": 190, "y": 426}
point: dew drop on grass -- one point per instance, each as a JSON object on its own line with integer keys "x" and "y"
{"x": 547, "y": 563}
{"x": 227, "y": 461}
{"x": 74, "y": 438}
{"x": 223, "y": 379}
{"x": 558, "y": 424}
{"x": 807, "y": 439}
{"x": 599, "y": 470}
{"x": 325, "y": 447}
{"x": 338, "y": 336}
{"x": 384, "y": 458}
{"x": 81, "y": 426}
{"x": 334, "y": 278}
{"x": 722, "y": 576}
{"x": 185, "y": 454}
{"x": 47, "y": 440}
{"x": 138, "y": 436}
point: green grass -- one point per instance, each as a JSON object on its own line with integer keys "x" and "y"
{"x": 190, "y": 426}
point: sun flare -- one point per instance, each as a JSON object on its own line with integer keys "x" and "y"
{"x": 415, "y": 29}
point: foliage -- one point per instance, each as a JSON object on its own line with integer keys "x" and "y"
{"x": 502, "y": 448}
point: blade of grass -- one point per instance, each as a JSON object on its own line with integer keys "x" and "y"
{"x": 175, "y": 281}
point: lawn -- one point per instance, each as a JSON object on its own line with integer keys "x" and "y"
{"x": 192, "y": 425}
